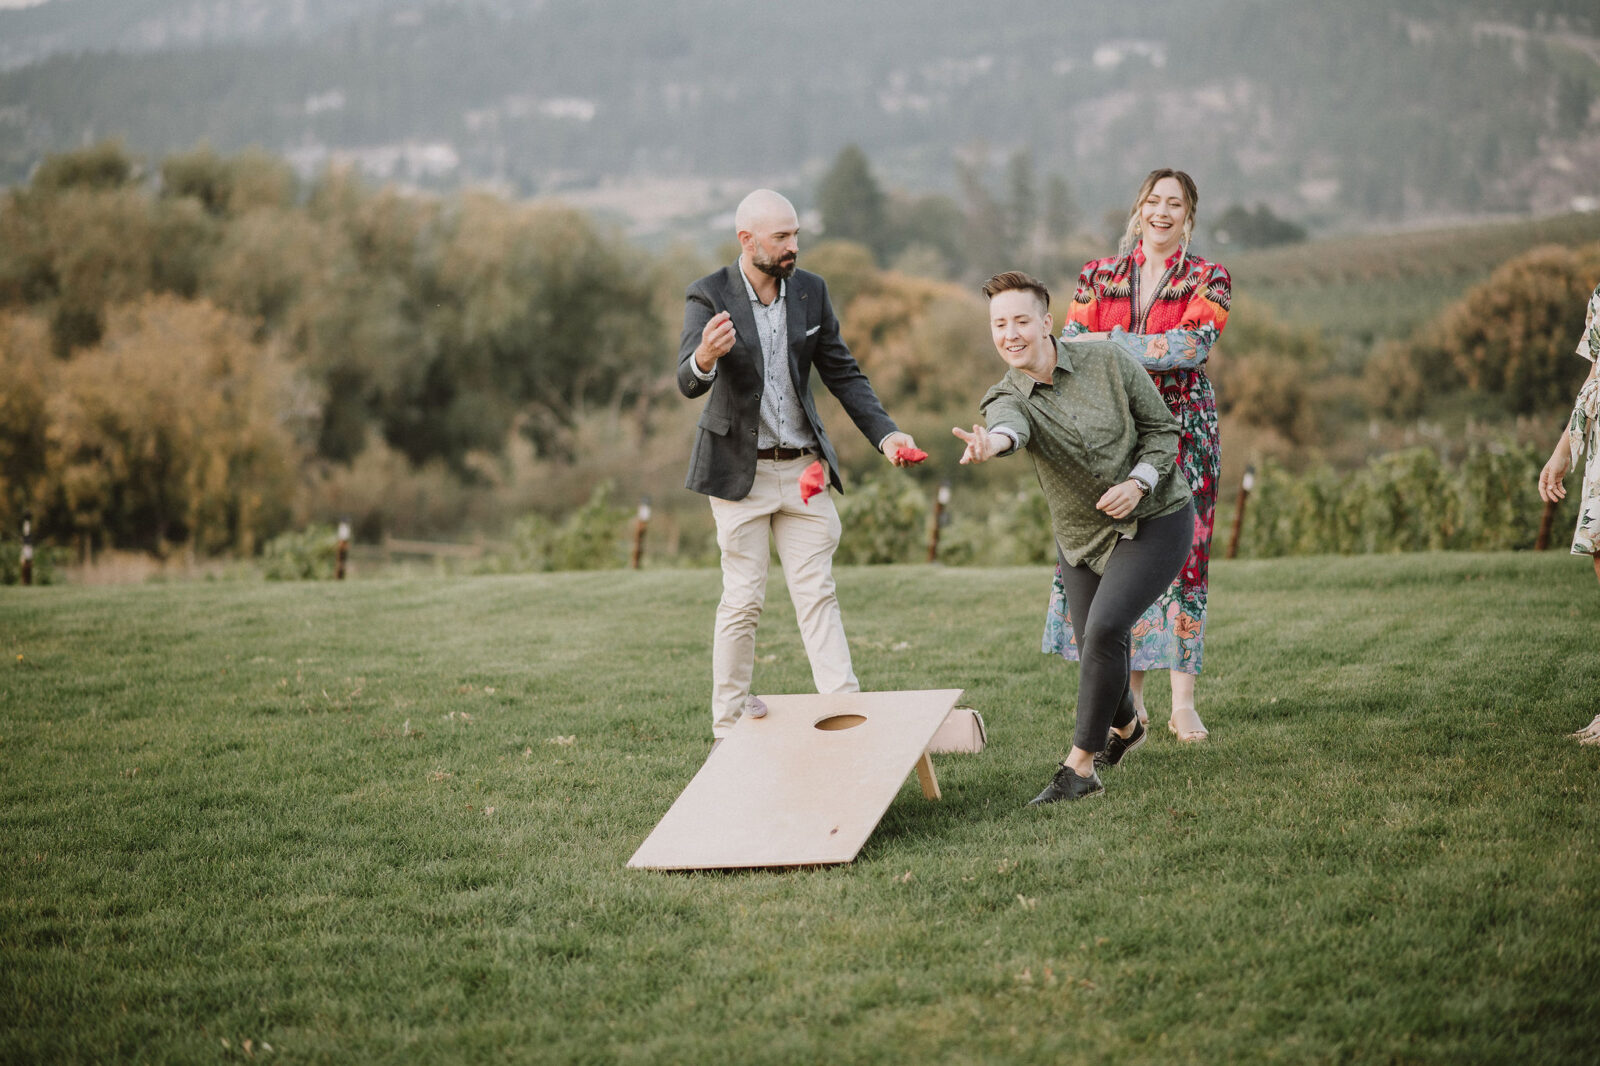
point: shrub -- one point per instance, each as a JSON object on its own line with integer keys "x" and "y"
{"x": 311, "y": 554}
{"x": 590, "y": 538}
{"x": 885, "y": 521}
{"x": 1011, "y": 527}
{"x": 1512, "y": 337}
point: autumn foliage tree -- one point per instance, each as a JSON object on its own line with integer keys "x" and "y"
{"x": 172, "y": 430}
{"x": 28, "y": 370}
{"x": 164, "y": 316}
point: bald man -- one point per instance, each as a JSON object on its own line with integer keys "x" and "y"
{"x": 752, "y": 334}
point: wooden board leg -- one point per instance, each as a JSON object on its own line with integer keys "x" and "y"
{"x": 925, "y": 777}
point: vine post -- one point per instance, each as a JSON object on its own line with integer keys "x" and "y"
{"x": 343, "y": 550}
{"x": 641, "y": 523}
{"x": 1245, "y": 486}
{"x": 27, "y": 547}
{"x": 1545, "y": 522}
{"x": 940, "y": 501}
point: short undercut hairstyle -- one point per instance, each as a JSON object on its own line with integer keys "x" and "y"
{"x": 1017, "y": 281}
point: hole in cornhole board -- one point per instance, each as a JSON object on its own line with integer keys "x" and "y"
{"x": 804, "y": 785}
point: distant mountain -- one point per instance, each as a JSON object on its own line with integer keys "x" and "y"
{"x": 1338, "y": 115}
{"x": 32, "y": 33}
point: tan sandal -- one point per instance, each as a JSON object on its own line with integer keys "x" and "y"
{"x": 1189, "y": 735}
{"x": 1589, "y": 734}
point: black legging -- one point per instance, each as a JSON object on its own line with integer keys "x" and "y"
{"x": 1104, "y": 607}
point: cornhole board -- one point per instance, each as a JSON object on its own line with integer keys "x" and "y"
{"x": 803, "y": 786}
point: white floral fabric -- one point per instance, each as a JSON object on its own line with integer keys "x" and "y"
{"x": 1584, "y": 432}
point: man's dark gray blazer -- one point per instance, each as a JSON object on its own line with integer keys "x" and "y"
{"x": 723, "y": 462}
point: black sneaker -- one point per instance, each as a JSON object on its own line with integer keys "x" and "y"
{"x": 1117, "y": 747}
{"x": 1067, "y": 785}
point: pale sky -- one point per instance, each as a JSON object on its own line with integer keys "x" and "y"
{"x": 20, "y": 3}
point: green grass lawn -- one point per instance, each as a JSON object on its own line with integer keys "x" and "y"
{"x": 340, "y": 820}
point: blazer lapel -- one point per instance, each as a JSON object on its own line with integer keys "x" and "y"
{"x": 794, "y": 303}
{"x": 744, "y": 320}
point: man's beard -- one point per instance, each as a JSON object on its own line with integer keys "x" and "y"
{"x": 784, "y": 268}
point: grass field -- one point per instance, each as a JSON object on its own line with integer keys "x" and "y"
{"x": 386, "y": 821}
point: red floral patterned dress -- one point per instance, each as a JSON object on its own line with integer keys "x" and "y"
{"x": 1173, "y": 342}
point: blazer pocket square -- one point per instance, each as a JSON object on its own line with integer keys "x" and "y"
{"x": 812, "y": 330}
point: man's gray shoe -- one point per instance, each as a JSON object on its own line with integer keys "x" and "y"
{"x": 754, "y": 708}
{"x": 1067, "y": 785}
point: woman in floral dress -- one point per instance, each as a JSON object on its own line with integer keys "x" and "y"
{"x": 1582, "y": 438}
{"x": 1167, "y": 307}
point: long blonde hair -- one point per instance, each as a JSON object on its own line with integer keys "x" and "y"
{"x": 1191, "y": 199}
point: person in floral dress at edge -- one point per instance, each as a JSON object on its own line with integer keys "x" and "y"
{"x": 1582, "y": 437}
{"x": 1166, "y": 307}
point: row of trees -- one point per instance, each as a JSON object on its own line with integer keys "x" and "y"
{"x": 202, "y": 354}
{"x": 207, "y": 353}
{"x": 435, "y": 322}
{"x": 216, "y": 314}
{"x": 1004, "y": 218}
{"x": 936, "y": 234}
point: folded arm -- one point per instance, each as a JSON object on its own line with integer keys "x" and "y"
{"x": 1174, "y": 349}
{"x": 1186, "y": 346}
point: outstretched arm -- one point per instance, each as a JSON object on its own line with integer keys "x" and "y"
{"x": 983, "y": 444}
{"x": 1007, "y": 431}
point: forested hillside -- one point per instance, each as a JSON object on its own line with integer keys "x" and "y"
{"x": 1342, "y": 116}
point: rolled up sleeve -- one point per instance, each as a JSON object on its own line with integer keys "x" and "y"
{"x": 1003, "y": 411}
{"x": 1158, "y": 432}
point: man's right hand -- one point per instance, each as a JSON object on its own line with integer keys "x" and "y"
{"x": 981, "y": 444}
{"x": 716, "y": 341}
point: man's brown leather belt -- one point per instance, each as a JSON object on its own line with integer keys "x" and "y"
{"x": 782, "y": 453}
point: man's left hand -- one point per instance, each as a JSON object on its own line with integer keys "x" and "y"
{"x": 1120, "y": 500}
{"x": 892, "y": 445}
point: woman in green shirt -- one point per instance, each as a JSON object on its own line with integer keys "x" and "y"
{"x": 1104, "y": 447}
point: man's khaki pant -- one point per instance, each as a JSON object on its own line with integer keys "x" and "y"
{"x": 806, "y": 535}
